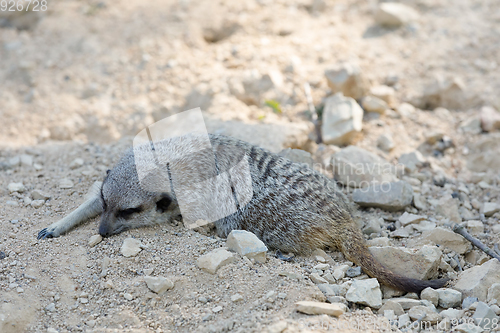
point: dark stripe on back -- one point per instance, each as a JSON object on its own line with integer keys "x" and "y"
{"x": 270, "y": 165}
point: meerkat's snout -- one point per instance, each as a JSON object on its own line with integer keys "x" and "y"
{"x": 106, "y": 227}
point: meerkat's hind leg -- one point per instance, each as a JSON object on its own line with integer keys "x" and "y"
{"x": 89, "y": 209}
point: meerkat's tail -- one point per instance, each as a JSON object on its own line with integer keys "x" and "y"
{"x": 356, "y": 251}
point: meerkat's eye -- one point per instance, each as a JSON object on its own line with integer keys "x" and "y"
{"x": 127, "y": 213}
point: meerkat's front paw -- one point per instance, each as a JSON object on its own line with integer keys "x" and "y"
{"x": 47, "y": 233}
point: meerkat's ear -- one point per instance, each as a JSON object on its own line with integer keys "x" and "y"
{"x": 108, "y": 171}
{"x": 164, "y": 202}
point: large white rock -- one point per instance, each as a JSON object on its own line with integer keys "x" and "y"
{"x": 476, "y": 281}
{"x": 449, "y": 298}
{"x": 346, "y": 79}
{"x": 158, "y": 284}
{"x": 247, "y": 244}
{"x": 131, "y": 247}
{"x": 422, "y": 264}
{"x": 430, "y": 295}
{"x": 215, "y": 259}
{"x": 317, "y": 308}
{"x": 342, "y": 119}
{"x": 449, "y": 239}
{"x": 366, "y": 292}
{"x": 356, "y": 167}
{"x": 393, "y": 14}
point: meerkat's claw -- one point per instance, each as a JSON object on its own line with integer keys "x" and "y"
{"x": 44, "y": 233}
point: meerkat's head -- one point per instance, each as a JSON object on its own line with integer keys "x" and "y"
{"x": 127, "y": 205}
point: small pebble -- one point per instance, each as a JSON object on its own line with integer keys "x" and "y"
{"x": 94, "y": 240}
{"x": 65, "y": 183}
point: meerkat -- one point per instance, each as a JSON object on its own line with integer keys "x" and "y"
{"x": 289, "y": 206}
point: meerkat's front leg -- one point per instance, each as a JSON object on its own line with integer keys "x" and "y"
{"x": 89, "y": 209}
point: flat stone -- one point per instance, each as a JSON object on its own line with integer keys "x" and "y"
{"x": 391, "y": 196}
{"x": 408, "y": 218}
{"x": 26, "y": 160}
{"x": 16, "y": 187}
{"x": 316, "y": 278}
{"x": 430, "y": 295}
{"x": 366, "y": 292}
{"x": 215, "y": 259}
{"x": 247, "y": 244}
{"x": 445, "y": 93}
{"x": 406, "y": 303}
{"x": 347, "y": 79}
{"x": 40, "y": 195}
{"x": 424, "y": 226}
{"x": 37, "y": 203}
{"x": 384, "y": 93}
{"x": 493, "y": 293}
{"x": 158, "y": 284}
{"x": 449, "y": 298}
{"x": 356, "y": 167}
{"x": 448, "y": 207}
{"x": 405, "y": 110}
{"x": 485, "y": 317}
{"x": 339, "y": 272}
{"x": 94, "y": 240}
{"x": 374, "y": 104}
{"x": 412, "y": 161}
{"x": 422, "y": 264}
{"x": 468, "y": 301}
{"x": 385, "y": 142}
{"x": 379, "y": 241}
{"x": 476, "y": 281}
{"x": 391, "y": 14}
{"x": 448, "y": 239}
{"x": 490, "y": 208}
{"x": 14, "y": 161}
{"x": 424, "y": 313}
{"x": 342, "y": 119}
{"x": 471, "y": 125}
{"x": 318, "y": 308}
{"x": 77, "y": 162}
{"x": 66, "y": 183}
{"x": 393, "y": 306}
{"x": 490, "y": 119}
{"x": 130, "y": 247}
{"x": 451, "y": 313}
{"x": 467, "y": 328}
{"x": 485, "y": 154}
{"x": 475, "y": 227}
